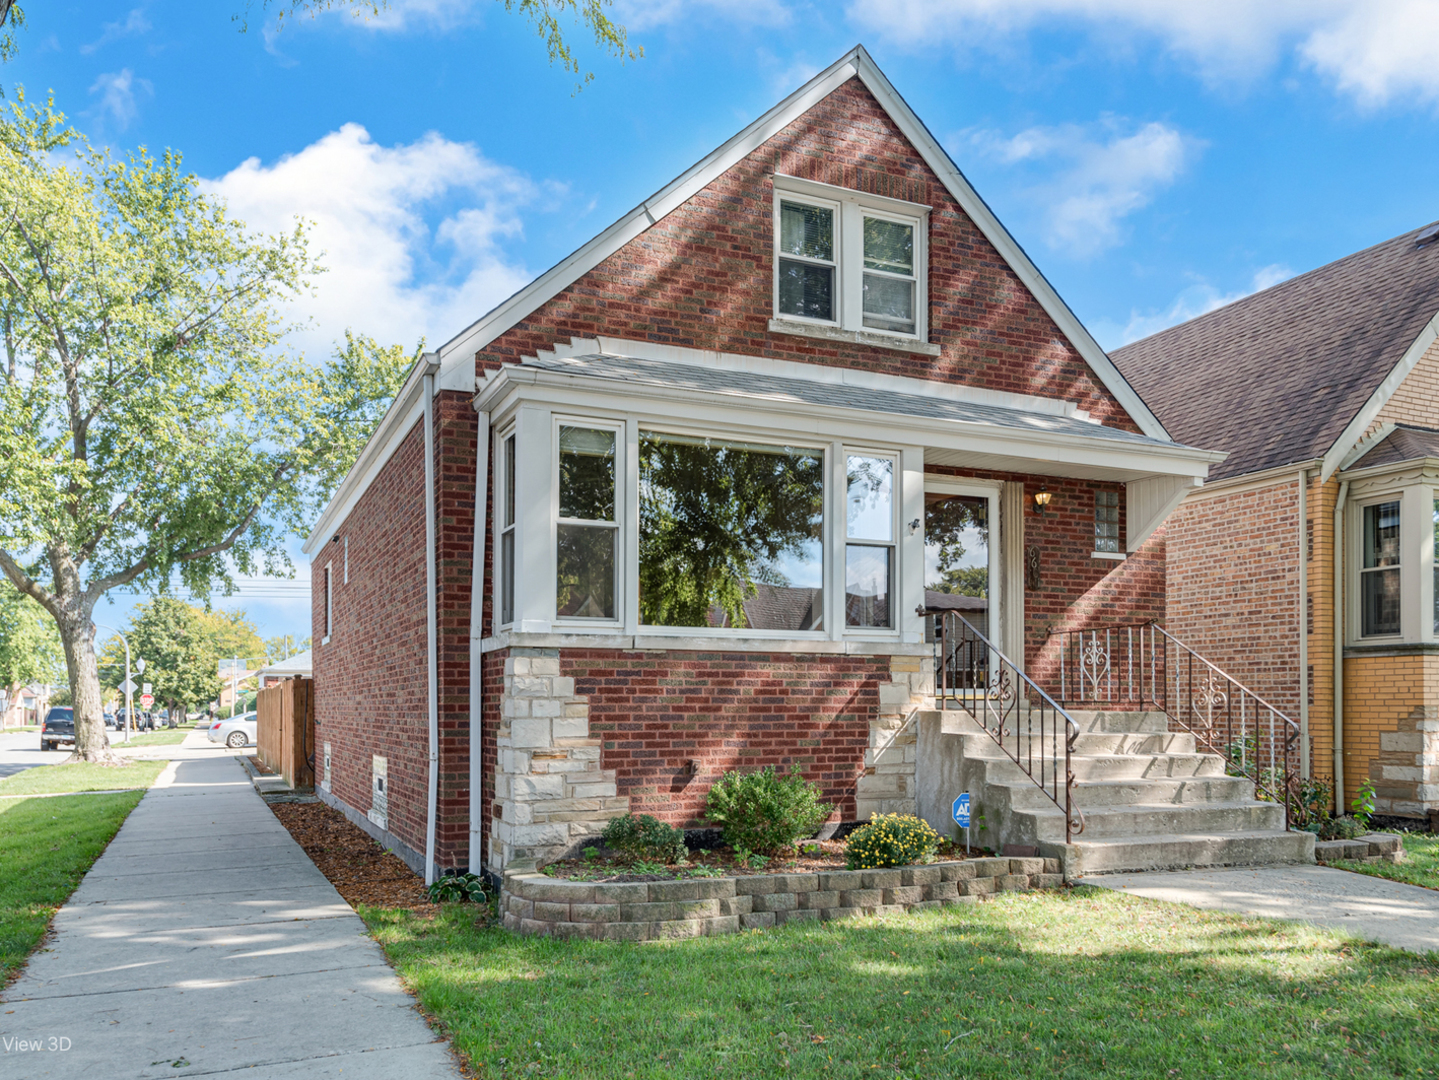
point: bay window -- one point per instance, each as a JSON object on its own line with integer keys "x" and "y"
{"x": 850, "y": 262}
{"x": 1379, "y": 574}
{"x": 587, "y": 529}
{"x": 507, "y": 530}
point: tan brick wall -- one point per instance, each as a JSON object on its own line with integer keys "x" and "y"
{"x": 1417, "y": 399}
{"x": 1391, "y": 730}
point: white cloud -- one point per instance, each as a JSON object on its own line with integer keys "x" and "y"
{"x": 118, "y": 93}
{"x": 641, "y": 15}
{"x": 134, "y": 23}
{"x": 1199, "y": 299}
{"x": 392, "y": 273}
{"x": 1375, "y": 50}
{"x": 1097, "y": 175}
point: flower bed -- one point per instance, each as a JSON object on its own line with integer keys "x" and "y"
{"x": 536, "y": 903}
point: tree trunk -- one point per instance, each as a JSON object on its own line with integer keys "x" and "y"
{"x": 77, "y": 635}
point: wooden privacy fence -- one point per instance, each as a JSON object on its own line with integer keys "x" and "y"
{"x": 286, "y": 736}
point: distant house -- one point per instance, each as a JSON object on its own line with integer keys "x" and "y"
{"x": 678, "y": 505}
{"x": 1307, "y": 564}
{"x": 297, "y": 666}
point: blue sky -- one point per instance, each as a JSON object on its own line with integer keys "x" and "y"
{"x": 1155, "y": 159}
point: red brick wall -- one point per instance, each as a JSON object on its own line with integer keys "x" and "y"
{"x": 370, "y": 685}
{"x": 657, "y": 711}
{"x": 702, "y": 276}
{"x": 1234, "y": 588}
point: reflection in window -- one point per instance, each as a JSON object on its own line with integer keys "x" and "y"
{"x": 806, "y": 265}
{"x": 956, "y": 556}
{"x": 587, "y": 534}
{"x": 869, "y": 516}
{"x": 889, "y": 281}
{"x": 730, "y": 534}
{"x": 1379, "y": 576}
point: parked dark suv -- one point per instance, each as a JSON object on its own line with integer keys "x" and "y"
{"x": 59, "y": 727}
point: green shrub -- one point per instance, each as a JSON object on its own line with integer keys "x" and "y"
{"x": 764, "y": 811}
{"x": 458, "y": 888}
{"x": 644, "y": 837}
{"x": 1364, "y": 802}
{"x": 1341, "y": 828}
{"x": 891, "y": 840}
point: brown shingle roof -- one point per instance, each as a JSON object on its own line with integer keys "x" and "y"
{"x": 1275, "y": 377}
{"x": 1404, "y": 443}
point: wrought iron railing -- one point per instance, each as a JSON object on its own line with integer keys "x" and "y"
{"x": 1143, "y": 666}
{"x": 1031, "y": 729}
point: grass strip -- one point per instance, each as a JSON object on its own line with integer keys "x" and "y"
{"x": 81, "y": 776}
{"x": 1082, "y": 983}
{"x": 46, "y": 847}
{"x": 1420, "y": 865}
{"x": 148, "y": 738}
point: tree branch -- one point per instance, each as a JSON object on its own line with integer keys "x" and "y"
{"x": 26, "y": 584}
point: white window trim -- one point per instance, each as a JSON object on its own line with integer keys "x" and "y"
{"x": 347, "y": 560}
{"x": 621, "y": 472}
{"x": 329, "y": 603}
{"x": 501, "y": 458}
{"x": 1415, "y": 495}
{"x": 850, "y": 208}
{"x": 895, "y": 543}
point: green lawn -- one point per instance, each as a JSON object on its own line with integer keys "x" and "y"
{"x": 1420, "y": 865}
{"x": 81, "y": 776}
{"x": 46, "y": 845}
{"x": 1082, "y": 983}
{"x": 149, "y": 738}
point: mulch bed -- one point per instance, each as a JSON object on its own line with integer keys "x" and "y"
{"x": 830, "y": 856}
{"x": 360, "y": 869}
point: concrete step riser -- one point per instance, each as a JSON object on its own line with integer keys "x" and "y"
{"x": 1100, "y": 824}
{"x": 1146, "y": 767}
{"x": 1171, "y": 853}
{"x": 1189, "y": 791}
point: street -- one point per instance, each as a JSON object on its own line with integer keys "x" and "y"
{"x": 21, "y": 750}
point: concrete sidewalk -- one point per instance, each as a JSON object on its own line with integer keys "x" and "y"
{"x": 1371, "y": 908}
{"x": 204, "y": 940}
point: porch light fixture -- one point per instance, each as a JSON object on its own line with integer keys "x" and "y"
{"x": 1041, "y": 500}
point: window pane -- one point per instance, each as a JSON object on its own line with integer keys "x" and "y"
{"x": 1381, "y": 534}
{"x": 806, "y": 231}
{"x": 1379, "y": 601}
{"x": 586, "y": 571}
{"x": 866, "y": 585}
{"x": 806, "y": 289}
{"x": 1436, "y": 565}
{"x": 509, "y": 496}
{"x": 507, "y": 577}
{"x": 888, "y": 304}
{"x": 956, "y": 557}
{"x": 1106, "y": 521}
{"x": 888, "y": 245}
{"x": 730, "y": 534}
{"x": 587, "y": 474}
{"x": 869, "y": 502}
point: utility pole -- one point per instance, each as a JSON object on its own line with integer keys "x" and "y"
{"x": 129, "y": 684}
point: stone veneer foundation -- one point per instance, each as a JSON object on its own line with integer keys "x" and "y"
{"x": 534, "y": 903}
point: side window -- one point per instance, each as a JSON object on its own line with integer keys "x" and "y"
{"x": 1106, "y": 521}
{"x": 869, "y": 534}
{"x": 329, "y": 603}
{"x": 1379, "y": 575}
{"x": 507, "y": 531}
{"x": 587, "y": 533}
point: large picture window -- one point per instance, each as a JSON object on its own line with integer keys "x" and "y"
{"x": 730, "y": 534}
{"x": 869, "y": 535}
{"x": 1379, "y": 577}
{"x": 587, "y": 532}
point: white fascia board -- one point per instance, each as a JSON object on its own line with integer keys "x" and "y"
{"x": 1335, "y": 455}
{"x": 1364, "y": 445}
{"x": 506, "y": 389}
{"x": 1427, "y": 466}
{"x": 978, "y": 210}
{"x": 398, "y": 421}
{"x": 814, "y": 373}
{"x": 1255, "y": 481}
{"x": 463, "y": 346}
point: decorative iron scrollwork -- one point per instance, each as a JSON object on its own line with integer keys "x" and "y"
{"x": 1093, "y": 665}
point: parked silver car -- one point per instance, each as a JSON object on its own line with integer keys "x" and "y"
{"x": 235, "y": 732}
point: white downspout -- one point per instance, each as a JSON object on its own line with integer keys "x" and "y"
{"x": 1304, "y": 623}
{"x": 477, "y": 626}
{"x": 431, "y": 627}
{"x": 1339, "y": 617}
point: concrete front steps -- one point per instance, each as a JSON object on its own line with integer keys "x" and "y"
{"x": 1150, "y": 799}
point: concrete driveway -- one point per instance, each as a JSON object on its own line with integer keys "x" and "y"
{"x": 203, "y": 941}
{"x": 1371, "y": 908}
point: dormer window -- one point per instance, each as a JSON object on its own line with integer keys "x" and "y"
{"x": 849, "y": 262}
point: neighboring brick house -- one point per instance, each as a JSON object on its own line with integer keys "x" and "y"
{"x": 674, "y": 507}
{"x": 1309, "y": 557}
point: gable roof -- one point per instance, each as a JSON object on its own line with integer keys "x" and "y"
{"x": 1403, "y": 443}
{"x": 1295, "y": 372}
{"x": 455, "y": 358}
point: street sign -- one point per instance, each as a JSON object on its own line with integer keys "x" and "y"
{"x": 147, "y": 689}
{"x": 961, "y": 811}
{"x": 128, "y": 686}
{"x": 146, "y": 700}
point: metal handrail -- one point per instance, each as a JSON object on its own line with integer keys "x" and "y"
{"x": 970, "y": 671}
{"x": 1149, "y": 663}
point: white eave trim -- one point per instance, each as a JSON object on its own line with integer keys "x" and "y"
{"x": 399, "y": 418}
{"x": 1335, "y": 457}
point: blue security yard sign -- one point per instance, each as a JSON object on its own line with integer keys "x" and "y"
{"x": 961, "y": 811}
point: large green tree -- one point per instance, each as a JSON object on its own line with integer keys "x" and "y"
{"x": 29, "y": 644}
{"x": 155, "y": 430}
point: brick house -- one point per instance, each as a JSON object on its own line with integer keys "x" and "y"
{"x": 1306, "y": 566}
{"x": 675, "y": 506}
